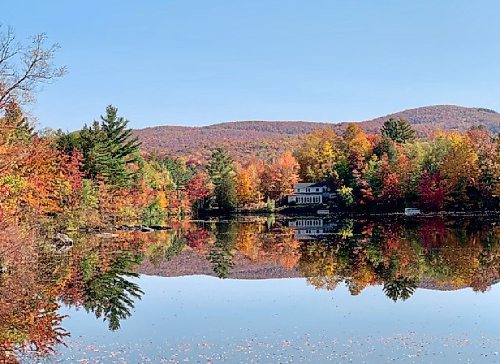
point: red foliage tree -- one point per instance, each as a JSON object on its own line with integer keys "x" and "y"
{"x": 431, "y": 191}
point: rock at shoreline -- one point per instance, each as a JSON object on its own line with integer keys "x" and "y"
{"x": 62, "y": 243}
{"x": 64, "y": 239}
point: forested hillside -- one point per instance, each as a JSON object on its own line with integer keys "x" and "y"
{"x": 271, "y": 138}
{"x": 258, "y": 138}
{"x": 442, "y": 117}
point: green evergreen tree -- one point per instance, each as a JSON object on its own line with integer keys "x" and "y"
{"x": 221, "y": 171}
{"x": 108, "y": 147}
{"x": 117, "y": 150}
{"x": 225, "y": 193}
{"x": 398, "y": 130}
{"x": 90, "y": 142}
{"x": 386, "y": 146}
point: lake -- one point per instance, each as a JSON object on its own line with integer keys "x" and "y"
{"x": 259, "y": 289}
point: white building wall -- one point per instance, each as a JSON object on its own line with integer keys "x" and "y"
{"x": 305, "y": 199}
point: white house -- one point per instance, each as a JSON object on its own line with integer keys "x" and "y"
{"x": 309, "y": 193}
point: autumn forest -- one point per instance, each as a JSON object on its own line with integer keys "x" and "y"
{"x": 88, "y": 207}
{"x": 100, "y": 171}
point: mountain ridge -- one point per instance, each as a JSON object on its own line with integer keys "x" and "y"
{"x": 269, "y": 138}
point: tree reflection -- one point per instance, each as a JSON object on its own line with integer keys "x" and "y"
{"x": 221, "y": 255}
{"x": 400, "y": 288}
{"x": 29, "y": 286}
{"x": 99, "y": 274}
{"x": 166, "y": 248}
{"x": 95, "y": 275}
{"x": 110, "y": 294}
{"x": 402, "y": 256}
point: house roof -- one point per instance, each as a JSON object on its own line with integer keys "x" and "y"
{"x": 309, "y": 184}
{"x": 306, "y": 194}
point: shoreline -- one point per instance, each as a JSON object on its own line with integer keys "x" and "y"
{"x": 494, "y": 215}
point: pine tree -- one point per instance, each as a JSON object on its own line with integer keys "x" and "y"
{"x": 123, "y": 146}
{"x": 398, "y": 130}
{"x": 91, "y": 141}
{"x": 221, "y": 171}
{"x": 225, "y": 193}
{"x": 119, "y": 148}
{"x": 107, "y": 147}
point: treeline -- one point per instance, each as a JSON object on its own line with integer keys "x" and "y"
{"x": 98, "y": 174}
{"x": 371, "y": 172}
{"x": 451, "y": 170}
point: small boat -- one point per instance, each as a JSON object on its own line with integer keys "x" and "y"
{"x": 323, "y": 212}
{"x": 412, "y": 211}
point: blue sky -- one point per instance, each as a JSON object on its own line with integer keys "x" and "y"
{"x": 187, "y": 62}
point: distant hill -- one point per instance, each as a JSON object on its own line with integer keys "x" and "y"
{"x": 270, "y": 138}
{"x": 445, "y": 117}
{"x": 243, "y": 138}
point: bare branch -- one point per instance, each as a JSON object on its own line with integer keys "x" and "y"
{"x": 23, "y": 68}
{"x": 8, "y": 48}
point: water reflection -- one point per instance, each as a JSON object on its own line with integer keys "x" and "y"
{"x": 98, "y": 275}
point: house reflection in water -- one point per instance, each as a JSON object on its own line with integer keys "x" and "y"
{"x": 310, "y": 228}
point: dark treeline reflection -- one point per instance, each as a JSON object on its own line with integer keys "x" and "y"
{"x": 97, "y": 273}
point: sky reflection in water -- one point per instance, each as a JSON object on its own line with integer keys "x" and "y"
{"x": 204, "y": 318}
{"x": 306, "y": 289}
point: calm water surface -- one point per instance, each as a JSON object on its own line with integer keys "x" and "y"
{"x": 266, "y": 290}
